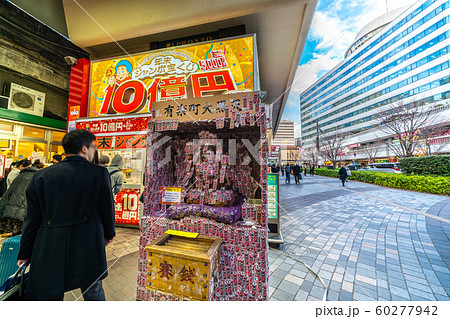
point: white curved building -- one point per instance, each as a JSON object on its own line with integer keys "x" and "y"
{"x": 400, "y": 56}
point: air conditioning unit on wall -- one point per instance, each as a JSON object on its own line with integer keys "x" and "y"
{"x": 26, "y": 100}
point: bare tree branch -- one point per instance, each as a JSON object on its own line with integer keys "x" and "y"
{"x": 331, "y": 147}
{"x": 410, "y": 124}
{"x": 371, "y": 152}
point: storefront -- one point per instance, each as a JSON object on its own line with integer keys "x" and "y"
{"x": 24, "y": 136}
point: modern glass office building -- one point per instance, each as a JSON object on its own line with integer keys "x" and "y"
{"x": 403, "y": 55}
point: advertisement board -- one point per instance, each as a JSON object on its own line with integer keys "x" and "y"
{"x": 130, "y": 84}
{"x": 128, "y": 206}
{"x": 272, "y": 192}
{"x": 74, "y": 114}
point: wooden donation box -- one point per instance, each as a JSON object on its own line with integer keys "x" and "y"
{"x": 184, "y": 264}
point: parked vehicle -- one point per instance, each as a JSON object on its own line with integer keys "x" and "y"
{"x": 385, "y": 167}
{"x": 354, "y": 167}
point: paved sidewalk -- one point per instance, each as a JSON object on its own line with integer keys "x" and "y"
{"x": 362, "y": 247}
{"x": 366, "y": 242}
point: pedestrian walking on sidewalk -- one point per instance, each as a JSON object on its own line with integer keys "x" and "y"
{"x": 297, "y": 173}
{"x": 306, "y": 167}
{"x": 343, "y": 175}
{"x": 282, "y": 170}
{"x": 311, "y": 170}
{"x": 288, "y": 173}
{"x": 68, "y": 223}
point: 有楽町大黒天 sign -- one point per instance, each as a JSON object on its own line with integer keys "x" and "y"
{"x": 130, "y": 84}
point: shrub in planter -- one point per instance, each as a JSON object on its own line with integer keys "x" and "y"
{"x": 326, "y": 172}
{"x": 427, "y": 184}
{"x": 426, "y": 165}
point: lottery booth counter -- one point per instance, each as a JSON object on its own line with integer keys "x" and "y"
{"x": 218, "y": 161}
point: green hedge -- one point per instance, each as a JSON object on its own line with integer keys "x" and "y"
{"x": 326, "y": 172}
{"x": 426, "y": 165}
{"x": 426, "y": 184}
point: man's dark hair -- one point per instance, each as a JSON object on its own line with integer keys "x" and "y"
{"x": 57, "y": 157}
{"x": 74, "y": 141}
{"x": 24, "y": 163}
{"x": 37, "y": 163}
{"x": 104, "y": 160}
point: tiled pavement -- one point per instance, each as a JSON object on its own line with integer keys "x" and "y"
{"x": 362, "y": 246}
{"x": 361, "y": 240}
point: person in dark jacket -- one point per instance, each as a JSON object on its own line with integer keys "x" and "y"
{"x": 311, "y": 170}
{"x": 288, "y": 173}
{"x": 297, "y": 173}
{"x": 343, "y": 175}
{"x": 16, "y": 170}
{"x": 13, "y": 204}
{"x": 69, "y": 221}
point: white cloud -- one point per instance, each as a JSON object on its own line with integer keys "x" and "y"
{"x": 336, "y": 31}
{"x": 308, "y": 73}
{"x": 333, "y": 33}
{"x": 305, "y": 76}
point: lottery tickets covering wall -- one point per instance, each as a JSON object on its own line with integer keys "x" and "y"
{"x": 243, "y": 271}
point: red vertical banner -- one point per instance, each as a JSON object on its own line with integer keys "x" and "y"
{"x": 79, "y": 86}
{"x": 128, "y": 206}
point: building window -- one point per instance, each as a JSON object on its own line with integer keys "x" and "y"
{"x": 33, "y": 132}
{"x": 26, "y": 149}
{"x": 6, "y": 127}
{"x": 58, "y": 136}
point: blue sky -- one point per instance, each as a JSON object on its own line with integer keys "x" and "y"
{"x": 334, "y": 27}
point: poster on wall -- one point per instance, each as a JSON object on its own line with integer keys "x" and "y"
{"x": 74, "y": 114}
{"x": 171, "y": 195}
{"x": 128, "y": 206}
{"x": 130, "y": 84}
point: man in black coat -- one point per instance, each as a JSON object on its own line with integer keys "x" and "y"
{"x": 69, "y": 221}
{"x": 297, "y": 172}
{"x": 343, "y": 175}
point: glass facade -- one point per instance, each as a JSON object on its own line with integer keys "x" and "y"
{"x": 407, "y": 58}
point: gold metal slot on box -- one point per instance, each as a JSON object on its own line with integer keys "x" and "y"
{"x": 184, "y": 243}
{"x": 187, "y": 242}
{"x": 183, "y": 246}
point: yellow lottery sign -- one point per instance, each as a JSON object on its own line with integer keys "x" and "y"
{"x": 130, "y": 84}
